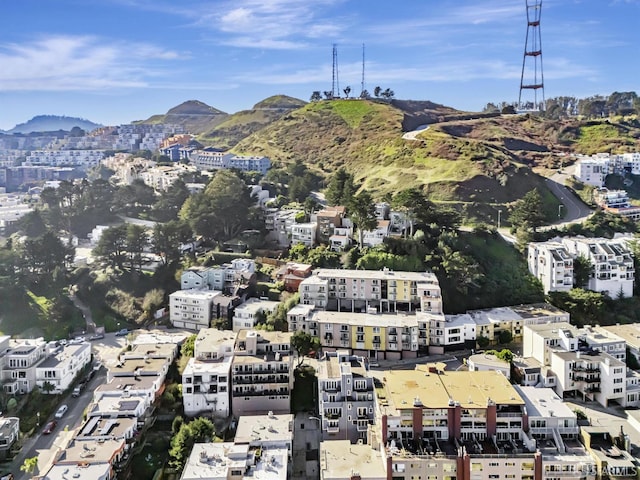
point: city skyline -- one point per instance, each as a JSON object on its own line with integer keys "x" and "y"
{"x": 122, "y": 60}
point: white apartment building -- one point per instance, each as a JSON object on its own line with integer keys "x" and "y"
{"x": 60, "y": 369}
{"x": 207, "y": 160}
{"x": 59, "y": 158}
{"x": 579, "y": 362}
{"x": 345, "y": 396}
{"x": 547, "y": 415}
{"x": 612, "y": 264}
{"x": 224, "y": 278}
{"x": 246, "y": 315}
{"x": 192, "y": 309}
{"x": 262, "y": 373}
{"x": 19, "y": 363}
{"x": 551, "y": 263}
{"x": 594, "y": 170}
{"x": 206, "y": 380}
{"x": 278, "y": 222}
{"x": 304, "y": 233}
{"x": 375, "y": 237}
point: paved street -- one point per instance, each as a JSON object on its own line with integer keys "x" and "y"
{"x": 573, "y": 210}
{"x": 45, "y": 447}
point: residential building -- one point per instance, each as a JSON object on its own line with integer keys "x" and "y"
{"x": 375, "y": 237}
{"x": 612, "y": 269}
{"x": 593, "y": 171}
{"x": 630, "y": 334}
{"x": 58, "y": 371}
{"x": 229, "y": 278}
{"x": 345, "y": 397}
{"x": 304, "y": 233}
{"x": 95, "y": 459}
{"x": 103, "y": 428}
{"x": 9, "y": 434}
{"x": 610, "y": 453}
{"x": 551, "y": 263}
{"x": 547, "y": 416}
{"x": 19, "y": 363}
{"x": 341, "y": 239}
{"x": 246, "y": 315}
{"x": 265, "y": 431}
{"x": 262, "y": 373}
{"x": 340, "y": 460}
{"x": 292, "y": 274}
{"x": 224, "y": 461}
{"x": 483, "y": 362}
{"x": 215, "y": 160}
{"x": 385, "y": 290}
{"x": 379, "y": 336}
{"x": 327, "y": 220}
{"x": 146, "y": 389}
{"x": 206, "y": 378}
{"x": 278, "y": 222}
{"x": 192, "y": 309}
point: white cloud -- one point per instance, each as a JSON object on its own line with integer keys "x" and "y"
{"x": 59, "y": 63}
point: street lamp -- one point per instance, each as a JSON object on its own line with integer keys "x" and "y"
{"x": 38, "y": 415}
{"x": 560, "y": 210}
{"x": 499, "y": 213}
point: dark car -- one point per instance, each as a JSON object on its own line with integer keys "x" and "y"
{"x": 50, "y": 427}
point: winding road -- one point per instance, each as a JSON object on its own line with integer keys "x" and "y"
{"x": 575, "y": 211}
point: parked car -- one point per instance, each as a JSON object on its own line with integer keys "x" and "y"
{"x": 96, "y": 336}
{"x": 50, "y": 427}
{"x": 122, "y": 333}
{"x": 61, "y": 411}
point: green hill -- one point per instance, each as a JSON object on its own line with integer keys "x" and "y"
{"x": 242, "y": 124}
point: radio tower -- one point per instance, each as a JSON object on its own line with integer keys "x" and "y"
{"x": 335, "y": 86}
{"x": 532, "y": 58}
{"x": 362, "y": 82}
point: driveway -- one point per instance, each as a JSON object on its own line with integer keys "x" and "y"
{"x": 414, "y": 133}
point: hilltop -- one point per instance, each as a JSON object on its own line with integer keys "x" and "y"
{"x": 242, "y": 124}
{"x": 195, "y": 116}
{"x": 52, "y": 123}
{"x": 473, "y": 161}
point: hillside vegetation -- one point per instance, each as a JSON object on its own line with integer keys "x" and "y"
{"x": 234, "y": 128}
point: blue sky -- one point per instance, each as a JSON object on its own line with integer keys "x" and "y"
{"x": 114, "y": 61}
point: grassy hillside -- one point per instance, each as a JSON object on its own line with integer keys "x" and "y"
{"x": 240, "y": 125}
{"x": 476, "y": 163}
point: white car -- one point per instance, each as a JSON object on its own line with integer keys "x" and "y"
{"x": 61, "y": 411}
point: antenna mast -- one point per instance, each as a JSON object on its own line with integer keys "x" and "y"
{"x": 362, "y": 82}
{"x": 335, "y": 86}
{"x": 532, "y": 58}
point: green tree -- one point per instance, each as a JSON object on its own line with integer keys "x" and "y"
{"x": 412, "y": 202}
{"x": 170, "y": 202}
{"x": 168, "y": 237}
{"x": 29, "y": 465}
{"x": 303, "y": 343}
{"x": 136, "y": 242}
{"x": 362, "y": 212}
{"x": 153, "y": 300}
{"x": 188, "y": 346}
{"x": 316, "y": 96}
{"x": 505, "y": 337}
{"x": 528, "y": 212}
{"x": 582, "y": 270}
{"x": 483, "y": 342}
{"x": 112, "y": 246}
{"x": 32, "y": 224}
{"x": 222, "y": 210}
{"x": 341, "y": 188}
{"x": 199, "y": 430}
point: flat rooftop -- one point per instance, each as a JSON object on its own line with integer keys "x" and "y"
{"x": 544, "y": 402}
{"x": 487, "y": 360}
{"x": 331, "y": 367}
{"x": 131, "y": 365}
{"x": 256, "y": 429}
{"x": 128, "y": 384}
{"x": 196, "y": 294}
{"x": 471, "y": 389}
{"x": 387, "y": 320}
{"x": 630, "y": 333}
{"x": 210, "y": 339}
{"x": 66, "y": 472}
{"x": 426, "y": 277}
{"x": 160, "y": 336}
{"x": 67, "y": 352}
{"x": 254, "y": 305}
{"x": 215, "y": 461}
{"x": 120, "y": 405}
{"x": 339, "y": 459}
{"x": 265, "y": 336}
{"x": 92, "y": 451}
{"x": 593, "y": 356}
{"x": 552, "y": 330}
{"x": 107, "y": 427}
{"x": 220, "y": 367}
{"x": 152, "y": 350}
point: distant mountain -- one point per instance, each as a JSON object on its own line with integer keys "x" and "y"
{"x": 195, "y": 116}
{"x": 52, "y": 123}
